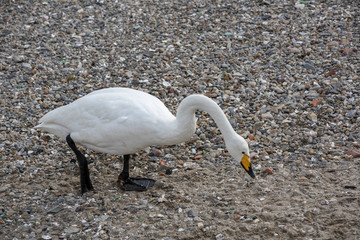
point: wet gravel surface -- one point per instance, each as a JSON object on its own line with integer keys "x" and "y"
{"x": 286, "y": 73}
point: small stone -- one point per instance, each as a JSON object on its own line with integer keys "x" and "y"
{"x": 312, "y": 94}
{"x": 219, "y": 236}
{"x": 144, "y": 202}
{"x": 268, "y": 171}
{"x": 149, "y": 54}
{"x": 169, "y": 171}
{"x": 330, "y": 72}
{"x": 132, "y": 209}
{"x": 159, "y": 184}
{"x": 316, "y": 102}
{"x": 252, "y": 84}
{"x": 26, "y": 65}
{"x": 227, "y": 76}
{"x": 294, "y": 50}
{"x": 279, "y": 90}
{"x": 333, "y": 44}
{"x": 324, "y": 202}
{"x": 312, "y": 133}
{"x": 103, "y": 218}
{"x": 189, "y": 165}
{"x": 4, "y": 189}
{"x": 299, "y": 5}
{"x": 312, "y": 116}
{"x": 166, "y": 84}
{"x": 347, "y": 51}
{"x": 55, "y": 210}
{"x": 267, "y": 115}
{"x": 353, "y": 152}
{"x": 309, "y": 66}
{"x": 129, "y": 74}
{"x": 19, "y": 58}
{"x": 78, "y": 44}
{"x": 162, "y": 199}
{"x": 72, "y": 230}
{"x": 67, "y": 70}
{"x": 156, "y": 152}
{"x": 192, "y": 213}
{"x": 12, "y": 212}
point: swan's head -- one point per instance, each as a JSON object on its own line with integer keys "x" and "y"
{"x": 239, "y": 150}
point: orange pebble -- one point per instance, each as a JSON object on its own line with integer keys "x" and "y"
{"x": 268, "y": 170}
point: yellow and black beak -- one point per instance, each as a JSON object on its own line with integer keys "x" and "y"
{"x": 245, "y": 162}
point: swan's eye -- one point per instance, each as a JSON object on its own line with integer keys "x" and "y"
{"x": 243, "y": 152}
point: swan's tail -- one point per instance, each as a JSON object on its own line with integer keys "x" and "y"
{"x": 53, "y": 128}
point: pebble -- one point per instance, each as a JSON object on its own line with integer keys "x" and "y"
{"x": 156, "y": 152}
{"x": 268, "y": 171}
{"x": 72, "y": 230}
{"x": 55, "y": 210}
{"x": 219, "y": 236}
{"x": 309, "y": 66}
{"x": 3, "y": 189}
{"x": 26, "y": 65}
{"x": 294, "y": 50}
{"x": 19, "y": 58}
{"x": 144, "y": 202}
{"x": 103, "y": 218}
{"x": 312, "y": 116}
{"x": 192, "y": 213}
{"x": 267, "y": 115}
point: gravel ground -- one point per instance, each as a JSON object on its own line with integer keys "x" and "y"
{"x": 286, "y": 74}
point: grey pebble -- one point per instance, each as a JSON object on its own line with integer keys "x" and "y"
{"x": 72, "y": 230}
{"x": 103, "y": 218}
{"x": 55, "y": 210}
{"x": 19, "y": 58}
{"x": 26, "y": 65}
{"x": 192, "y": 213}
{"x": 309, "y": 66}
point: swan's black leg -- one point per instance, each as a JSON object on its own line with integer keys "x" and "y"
{"x": 133, "y": 184}
{"x": 124, "y": 175}
{"x": 85, "y": 181}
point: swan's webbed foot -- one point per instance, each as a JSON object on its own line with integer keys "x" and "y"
{"x": 133, "y": 184}
{"x": 136, "y": 184}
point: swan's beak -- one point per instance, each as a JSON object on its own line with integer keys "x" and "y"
{"x": 245, "y": 162}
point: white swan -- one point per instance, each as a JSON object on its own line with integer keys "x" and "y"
{"x": 124, "y": 121}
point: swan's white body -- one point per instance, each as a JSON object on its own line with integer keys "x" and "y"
{"x": 124, "y": 121}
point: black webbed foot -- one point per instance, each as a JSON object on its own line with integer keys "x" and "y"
{"x": 136, "y": 184}
{"x": 89, "y": 161}
{"x": 133, "y": 184}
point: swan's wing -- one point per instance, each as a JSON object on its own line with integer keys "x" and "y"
{"x": 110, "y": 121}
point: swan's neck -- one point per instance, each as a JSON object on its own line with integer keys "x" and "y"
{"x": 186, "y": 121}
